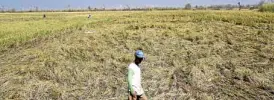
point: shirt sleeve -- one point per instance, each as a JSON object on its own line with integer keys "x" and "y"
{"x": 130, "y": 75}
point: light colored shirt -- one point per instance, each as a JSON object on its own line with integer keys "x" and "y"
{"x": 134, "y": 79}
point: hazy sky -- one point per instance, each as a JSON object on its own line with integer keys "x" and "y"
{"x": 62, "y": 4}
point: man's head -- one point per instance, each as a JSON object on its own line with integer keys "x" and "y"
{"x": 139, "y": 56}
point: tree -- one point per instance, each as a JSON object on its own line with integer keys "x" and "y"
{"x": 261, "y": 3}
{"x": 271, "y": 0}
{"x": 89, "y": 8}
{"x": 36, "y": 9}
{"x": 228, "y": 7}
{"x": 188, "y": 6}
{"x": 13, "y": 10}
{"x": 104, "y": 7}
{"x": 2, "y": 8}
{"x": 128, "y": 7}
{"x": 202, "y": 7}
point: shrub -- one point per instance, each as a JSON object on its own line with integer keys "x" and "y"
{"x": 188, "y": 6}
{"x": 269, "y": 7}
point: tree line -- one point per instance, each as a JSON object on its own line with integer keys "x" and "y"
{"x": 128, "y": 8}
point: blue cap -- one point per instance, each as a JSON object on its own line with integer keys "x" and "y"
{"x": 139, "y": 54}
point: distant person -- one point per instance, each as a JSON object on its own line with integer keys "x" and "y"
{"x": 89, "y": 16}
{"x": 136, "y": 91}
{"x": 44, "y": 16}
{"x": 240, "y": 7}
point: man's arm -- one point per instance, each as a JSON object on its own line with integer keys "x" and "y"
{"x": 129, "y": 78}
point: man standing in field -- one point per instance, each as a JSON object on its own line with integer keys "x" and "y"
{"x": 136, "y": 91}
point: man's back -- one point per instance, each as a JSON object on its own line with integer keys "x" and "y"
{"x": 136, "y": 91}
{"x": 136, "y": 78}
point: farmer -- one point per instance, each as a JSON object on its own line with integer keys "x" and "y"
{"x": 136, "y": 91}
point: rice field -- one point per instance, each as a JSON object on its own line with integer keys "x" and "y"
{"x": 202, "y": 54}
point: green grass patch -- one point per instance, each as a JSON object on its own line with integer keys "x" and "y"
{"x": 269, "y": 7}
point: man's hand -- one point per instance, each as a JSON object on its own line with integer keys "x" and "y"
{"x": 134, "y": 95}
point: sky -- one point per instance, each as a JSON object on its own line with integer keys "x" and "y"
{"x": 64, "y": 4}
